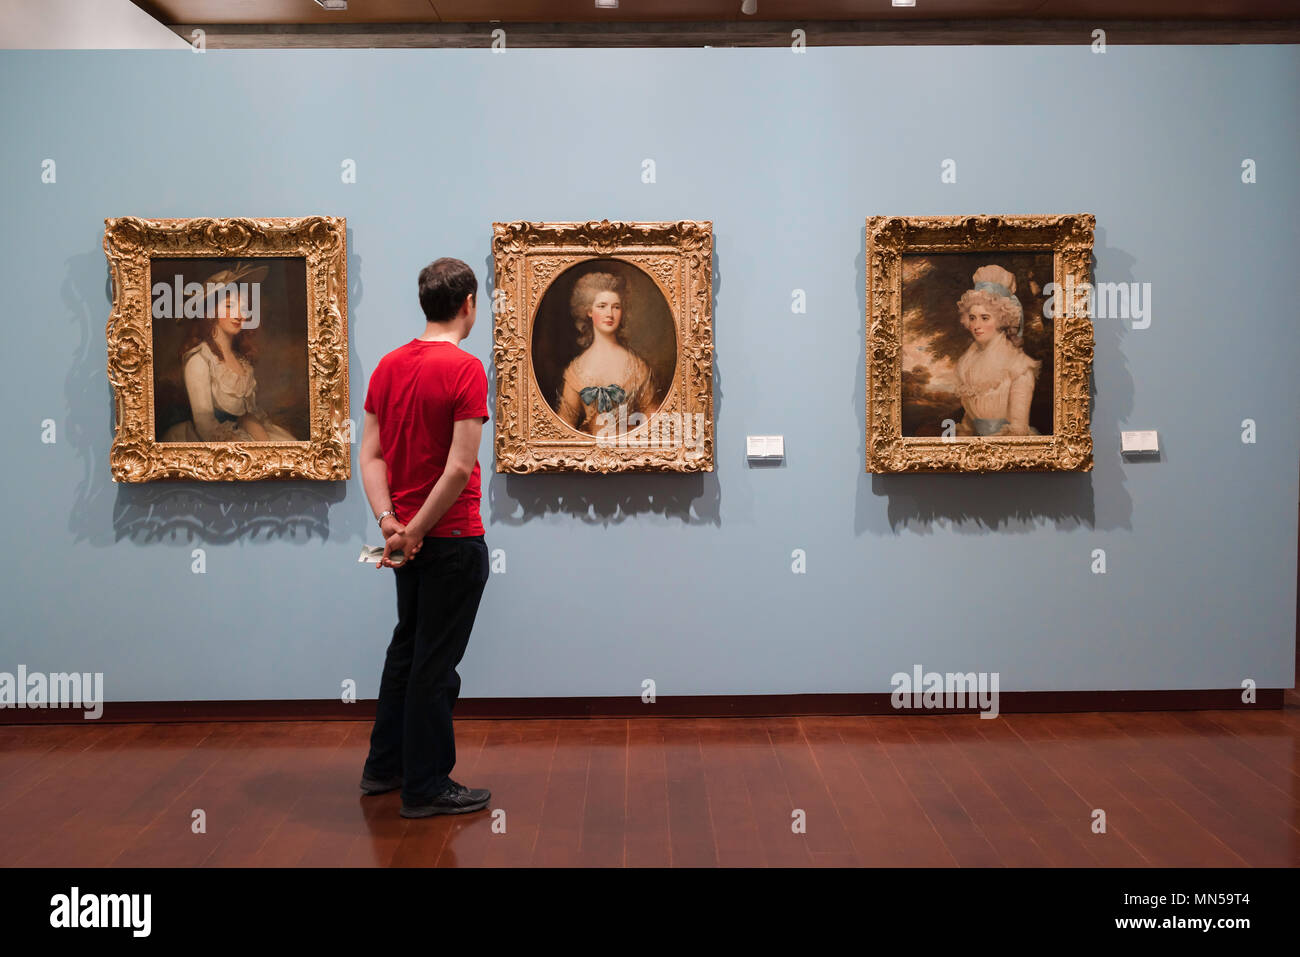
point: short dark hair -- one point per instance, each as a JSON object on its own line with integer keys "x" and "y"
{"x": 444, "y": 285}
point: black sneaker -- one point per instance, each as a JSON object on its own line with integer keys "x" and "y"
{"x": 475, "y": 794}
{"x": 371, "y": 785}
{"x": 454, "y": 799}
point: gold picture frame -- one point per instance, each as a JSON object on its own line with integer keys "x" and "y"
{"x": 559, "y": 407}
{"x": 910, "y": 367}
{"x": 306, "y": 259}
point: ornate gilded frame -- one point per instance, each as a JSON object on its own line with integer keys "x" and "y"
{"x": 130, "y": 243}
{"x": 888, "y": 239}
{"x": 678, "y": 256}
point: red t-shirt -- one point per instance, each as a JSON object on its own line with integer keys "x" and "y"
{"x": 418, "y": 392}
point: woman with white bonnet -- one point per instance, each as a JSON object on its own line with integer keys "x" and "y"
{"x": 995, "y": 379}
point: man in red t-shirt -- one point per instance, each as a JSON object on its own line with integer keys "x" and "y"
{"x": 425, "y": 410}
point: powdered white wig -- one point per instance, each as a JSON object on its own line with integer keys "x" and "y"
{"x": 995, "y": 289}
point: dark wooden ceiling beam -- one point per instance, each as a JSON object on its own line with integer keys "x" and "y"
{"x": 740, "y": 33}
{"x": 703, "y": 11}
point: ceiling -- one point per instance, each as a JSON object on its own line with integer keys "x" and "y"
{"x": 667, "y": 11}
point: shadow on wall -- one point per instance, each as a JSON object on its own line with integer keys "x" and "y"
{"x": 692, "y": 498}
{"x": 221, "y": 513}
{"x": 105, "y": 512}
{"x": 1016, "y": 501}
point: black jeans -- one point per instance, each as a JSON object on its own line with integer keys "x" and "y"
{"x": 438, "y": 594}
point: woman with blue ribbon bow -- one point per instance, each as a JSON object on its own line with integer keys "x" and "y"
{"x": 995, "y": 379}
{"x": 607, "y": 373}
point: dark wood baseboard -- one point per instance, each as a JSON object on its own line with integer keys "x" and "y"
{"x": 823, "y": 33}
{"x": 686, "y": 706}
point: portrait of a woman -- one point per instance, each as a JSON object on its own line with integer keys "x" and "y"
{"x": 216, "y": 361}
{"x": 607, "y": 373}
{"x": 995, "y": 378}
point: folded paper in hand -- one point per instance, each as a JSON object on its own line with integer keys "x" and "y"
{"x": 373, "y": 553}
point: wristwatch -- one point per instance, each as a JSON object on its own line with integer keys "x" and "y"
{"x": 382, "y": 516}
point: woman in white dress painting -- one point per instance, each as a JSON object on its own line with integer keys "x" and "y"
{"x": 607, "y": 373}
{"x": 216, "y": 362}
{"x": 995, "y": 379}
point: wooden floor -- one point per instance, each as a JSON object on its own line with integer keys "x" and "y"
{"x": 1178, "y": 788}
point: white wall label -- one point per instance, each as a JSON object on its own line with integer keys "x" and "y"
{"x": 766, "y": 448}
{"x": 1139, "y": 442}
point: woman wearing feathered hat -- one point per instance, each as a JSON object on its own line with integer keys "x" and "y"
{"x": 995, "y": 379}
{"x": 216, "y": 361}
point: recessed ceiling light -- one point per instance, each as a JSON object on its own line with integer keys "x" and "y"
{"x": 904, "y": 3}
{"x": 607, "y": 4}
{"x": 333, "y": 5}
{"x": 749, "y": 7}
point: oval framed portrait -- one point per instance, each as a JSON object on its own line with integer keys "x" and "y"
{"x": 602, "y": 342}
{"x": 604, "y": 345}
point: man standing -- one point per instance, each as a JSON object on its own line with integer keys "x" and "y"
{"x": 425, "y": 410}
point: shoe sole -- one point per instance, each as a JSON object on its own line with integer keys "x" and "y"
{"x": 435, "y": 811}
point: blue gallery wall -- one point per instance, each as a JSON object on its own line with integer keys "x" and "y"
{"x": 683, "y": 579}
